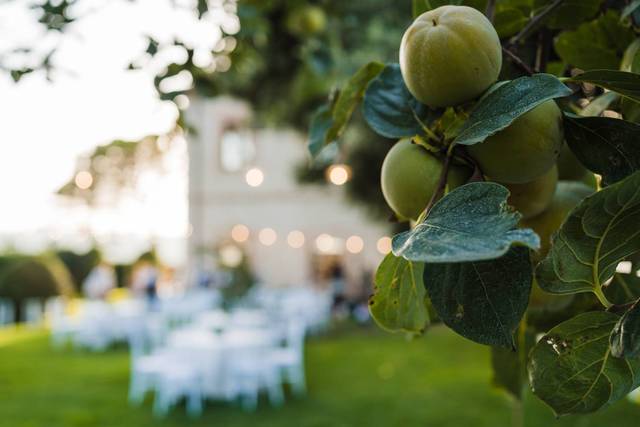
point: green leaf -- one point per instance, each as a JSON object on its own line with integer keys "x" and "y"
{"x": 349, "y": 98}
{"x": 203, "y": 7}
{"x": 598, "y": 44}
{"x": 625, "y": 337}
{"x": 630, "y": 8}
{"x": 595, "y": 237}
{"x": 330, "y": 121}
{"x": 624, "y": 288}
{"x": 625, "y": 83}
{"x": 606, "y": 146}
{"x": 482, "y": 300}
{"x": 599, "y": 104}
{"x": 420, "y": 7}
{"x": 572, "y": 369}
{"x": 321, "y": 122}
{"x": 471, "y": 223}
{"x": 499, "y": 108}
{"x": 570, "y": 14}
{"x": 399, "y": 302}
{"x": 509, "y": 22}
{"x": 390, "y": 109}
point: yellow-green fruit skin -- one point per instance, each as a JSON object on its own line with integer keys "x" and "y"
{"x": 567, "y": 196}
{"x": 525, "y": 150}
{"x": 449, "y": 56}
{"x": 410, "y": 175}
{"x": 532, "y": 198}
{"x": 570, "y": 169}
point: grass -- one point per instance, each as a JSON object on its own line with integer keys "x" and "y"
{"x": 357, "y": 377}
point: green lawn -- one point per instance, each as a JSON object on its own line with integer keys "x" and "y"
{"x": 357, "y": 377}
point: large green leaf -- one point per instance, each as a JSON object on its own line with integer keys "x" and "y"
{"x": 482, "y": 300}
{"x": 570, "y": 14}
{"x": 625, "y": 337}
{"x": 471, "y": 223}
{"x": 399, "y": 302}
{"x": 595, "y": 237}
{"x": 598, "y": 44}
{"x": 500, "y": 107}
{"x": 390, "y": 109}
{"x": 625, "y": 83}
{"x": 608, "y": 147}
{"x": 572, "y": 369}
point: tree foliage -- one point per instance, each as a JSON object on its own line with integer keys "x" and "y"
{"x": 475, "y": 257}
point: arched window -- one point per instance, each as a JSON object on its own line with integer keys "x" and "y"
{"x": 237, "y": 149}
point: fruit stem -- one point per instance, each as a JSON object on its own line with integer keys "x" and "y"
{"x": 442, "y": 183}
{"x": 430, "y": 134}
{"x": 533, "y": 24}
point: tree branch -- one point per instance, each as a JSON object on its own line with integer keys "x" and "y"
{"x": 490, "y": 10}
{"x": 519, "y": 62}
{"x": 533, "y": 23}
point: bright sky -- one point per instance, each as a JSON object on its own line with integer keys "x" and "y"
{"x": 93, "y": 100}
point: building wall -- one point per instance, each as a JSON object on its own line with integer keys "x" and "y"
{"x": 218, "y": 200}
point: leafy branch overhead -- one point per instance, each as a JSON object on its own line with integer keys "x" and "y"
{"x": 480, "y": 136}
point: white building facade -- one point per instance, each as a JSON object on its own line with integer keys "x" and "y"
{"x": 242, "y": 179}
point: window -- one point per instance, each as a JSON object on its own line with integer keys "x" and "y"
{"x": 237, "y": 149}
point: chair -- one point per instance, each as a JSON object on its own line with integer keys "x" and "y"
{"x": 177, "y": 379}
{"x": 290, "y": 358}
{"x": 250, "y": 369}
{"x": 62, "y": 326}
{"x": 7, "y": 312}
{"x": 33, "y": 311}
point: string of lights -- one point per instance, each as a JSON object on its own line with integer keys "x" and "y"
{"x": 296, "y": 239}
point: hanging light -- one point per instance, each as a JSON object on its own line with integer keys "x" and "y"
{"x": 240, "y": 233}
{"x": 355, "y": 244}
{"x": 84, "y": 180}
{"x": 254, "y": 177}
{"x": 384, "y": 245}
{"x": 267, "y": 236}
{"x": 295, "y": 239}
{"x": 338, "y": 174}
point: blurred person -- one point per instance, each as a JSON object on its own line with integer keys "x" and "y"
{"x": 100, "y": 281}
{"x": 338, "y": 284}
{"x": 359, "y": 305}
{"x": 144, "y": 282}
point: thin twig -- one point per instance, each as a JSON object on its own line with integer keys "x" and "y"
{"x": 490, "y": 10}
{"x": 519, "y": 62}
{"x": 542, "y": 55}
{"x": 533, "y": 23}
